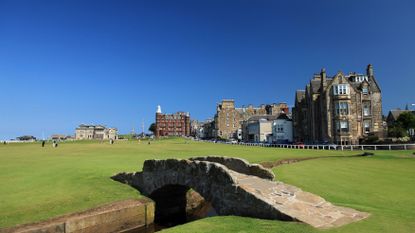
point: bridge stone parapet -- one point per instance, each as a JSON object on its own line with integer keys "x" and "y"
{"x": 239, "y": 165}
{"x": 231, "y": 188}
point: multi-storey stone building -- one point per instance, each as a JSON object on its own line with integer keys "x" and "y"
{"x": 343, "y": 109}
{"x": 177, "y": 124}
{"x": 228, "y": 119}
{"x": 95, "y": 132}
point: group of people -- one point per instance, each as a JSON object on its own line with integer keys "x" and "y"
{"x": 54, "y": 143}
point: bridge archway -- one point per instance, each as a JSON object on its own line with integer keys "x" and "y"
{"x": 178, "y": 204}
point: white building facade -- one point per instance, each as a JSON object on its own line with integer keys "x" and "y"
{"x": 257, "y": 129}
{"x": 282, "y": 130}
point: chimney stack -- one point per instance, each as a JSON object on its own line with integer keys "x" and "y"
{"x": 323, "y": 79}
{"x": 369, "y": 71}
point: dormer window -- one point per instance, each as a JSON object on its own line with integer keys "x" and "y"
{"x": 341, "y": 89}
{"x": 365, "y": 90}
{"x": 361, "y": 78}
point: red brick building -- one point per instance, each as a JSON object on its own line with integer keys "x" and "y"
{"x": 177, "y": 124}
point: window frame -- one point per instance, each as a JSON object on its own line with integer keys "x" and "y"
{"x": 341, "y": 89}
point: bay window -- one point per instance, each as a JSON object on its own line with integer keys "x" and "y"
{"x": 366, "y": 108}
{"x": 342, "y": 108}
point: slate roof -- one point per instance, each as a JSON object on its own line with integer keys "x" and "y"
{"x": 266, "y": 117}
{"x": 315, "y": 85}
{"x": 394, "y": 114}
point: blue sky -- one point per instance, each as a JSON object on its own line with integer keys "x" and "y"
{"x": 63, "y": 63}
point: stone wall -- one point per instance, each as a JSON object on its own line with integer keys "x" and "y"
{"x": 114, "y": 217}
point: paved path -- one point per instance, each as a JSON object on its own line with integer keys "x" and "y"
{"x": 300, "y": 205}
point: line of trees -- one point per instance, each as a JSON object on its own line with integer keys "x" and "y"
{"x": 402, "y": 126}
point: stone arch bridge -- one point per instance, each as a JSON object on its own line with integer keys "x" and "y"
{"x": 233, "y": 187}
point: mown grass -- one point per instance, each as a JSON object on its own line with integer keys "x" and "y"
{"x": 383, "y": 185}
{"x": 38, "y": 183}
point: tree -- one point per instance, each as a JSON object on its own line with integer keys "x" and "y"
{"x": 407, "y": 120}
{"x": 152, "y": 128}
{"x": 396, "y": 131}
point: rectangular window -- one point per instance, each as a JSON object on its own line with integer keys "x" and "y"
{"x": 279, "y": 128}
{"x": 366, "y": 109}
{"x": 342, "y": 108}
{"x": 341, "y": 89}
{"x": 365, "y": 91}
{"x": 366, "y": 126}
{"x": 342, "y": 126}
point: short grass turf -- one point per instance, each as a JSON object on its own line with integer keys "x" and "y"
{"x": 383, "y": 185}
{"x": 38, "y": 183}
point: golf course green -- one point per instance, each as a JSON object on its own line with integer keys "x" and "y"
{"x": 39, "y": 183}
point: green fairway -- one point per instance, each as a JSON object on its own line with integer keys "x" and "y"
{"x": 38, "y": 183}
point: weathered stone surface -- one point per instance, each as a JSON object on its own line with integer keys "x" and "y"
{"x": 239, "y": 165}
{"x": 235, "y": 193}
{"x": 55, "y": 227}
{"x": 114, "y": 217}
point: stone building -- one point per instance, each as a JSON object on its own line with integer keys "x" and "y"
{"x": 342, "y": 109}
{"x": 177, "y": 124}
{"x": 229, "y": 119}
{"x": 205, "y": 129}
{"x": 226, "y": 119}
{"x": 195, "y": 127}
{"x": 95, "y": 132}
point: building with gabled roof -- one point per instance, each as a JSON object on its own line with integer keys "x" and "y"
{"x": 342, "y": 109}
{"x": 95, "y": 132}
